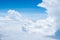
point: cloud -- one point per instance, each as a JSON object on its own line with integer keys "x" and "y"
{"x": 53, "y": 10}
{"x": 52, "y": 7}
{"x": 14, "y": 27}
{"x": 45, "y": 27}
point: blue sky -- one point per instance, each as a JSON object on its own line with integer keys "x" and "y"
{"x": 29, "y": 10}
{"x": 19, "y": 3}
{"x": 22, "y": 5}
{"x": 28, "y": 7}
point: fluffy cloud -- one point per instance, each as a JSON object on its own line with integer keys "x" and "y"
{"x": 52, "y": 7}
{"x": 53, "y": 10}
{"x": 45, "y": 27}
{"x": 13, "y": 26}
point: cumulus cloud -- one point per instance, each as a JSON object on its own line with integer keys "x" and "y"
{"x": 52, "y": 7}
{"x": 14, "y": 26}
{"x": 45, "y": 27}
{"x": 53, "y": 10}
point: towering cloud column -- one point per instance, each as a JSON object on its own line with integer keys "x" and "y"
{"x": 53, "y": 10}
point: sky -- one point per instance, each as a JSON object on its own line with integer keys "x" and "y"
{"x": 22, "y": 6}
{"x": 29, "y": 20}
{"x": 19, "y": 3}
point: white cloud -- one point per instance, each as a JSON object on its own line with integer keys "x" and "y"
{"x": 12, "y": 27}
{"x": 53, "y": 10}
{"x": 44, "y": 27}
{"x": 52, "y": 6}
